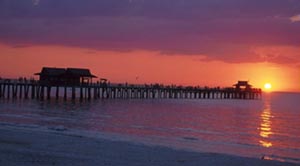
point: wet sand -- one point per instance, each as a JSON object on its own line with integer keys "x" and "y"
{"x": 26, "y": 147}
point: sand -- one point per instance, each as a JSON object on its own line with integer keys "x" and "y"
{"x": 30, "y": 147}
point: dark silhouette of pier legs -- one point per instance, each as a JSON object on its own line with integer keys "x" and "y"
{"x": 42, "y": 92}
{"x": 65, "y": 93}
{"x": 1, "y": 90}
{"x": 81, "y": 93}
{"x": 26, "y": 90}
{"x": 14, "y": 91}
{"x": 8, "y": 91}
{"x": 20, "y": 92}
{"x": 48, "y": 92}
{"x": 57, "y": 93}
{"x": 33, "y": 91}
{"x": 73, "y": 93}
{"x": 89, "y": 93}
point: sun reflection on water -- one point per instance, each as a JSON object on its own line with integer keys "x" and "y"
{"x": 265, "y": 125}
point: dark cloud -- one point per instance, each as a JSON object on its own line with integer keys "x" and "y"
{"x": 220, "y": 29}
{"x": 148, "y": 8}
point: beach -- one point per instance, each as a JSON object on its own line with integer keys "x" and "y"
{"x": 32, "y": 146}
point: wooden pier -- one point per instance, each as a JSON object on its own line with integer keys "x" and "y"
{"x": 33, "y": 89}
{"x": 76, "y": 83}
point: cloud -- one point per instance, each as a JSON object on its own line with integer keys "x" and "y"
{"x": 295, "y": 18}
{"x": 224, "y": 30}
{"x": 279, "y": 54}
{"x": 21, "y": 46}
{"x": 35, "y": 2}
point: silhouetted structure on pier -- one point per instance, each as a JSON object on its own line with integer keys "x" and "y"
{"x": 243, "y": 90}
{"x": 243, "y": 86}
{"x": 65, "y": 77}
{"x": 52, "y": 76}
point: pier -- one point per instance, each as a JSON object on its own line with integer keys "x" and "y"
{"x": 72, "y": 84}
{"x": 13, "y": 89}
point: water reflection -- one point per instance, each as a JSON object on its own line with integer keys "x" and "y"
{"x": 266, "y": 125}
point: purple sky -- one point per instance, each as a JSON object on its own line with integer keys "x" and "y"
{"x": 226, "y": 30}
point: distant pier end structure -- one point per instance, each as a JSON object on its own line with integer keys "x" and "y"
{"x": 243, "y": 90}
{"x": 65, "y": 77}
{"x": 242, "y": 85}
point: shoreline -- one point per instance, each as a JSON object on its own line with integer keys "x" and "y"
{"x": 31, "y": 146}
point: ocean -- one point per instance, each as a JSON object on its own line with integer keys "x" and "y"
{"x": 268, "y": 128}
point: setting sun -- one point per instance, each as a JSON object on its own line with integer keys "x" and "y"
{"x": 268, "y": 86}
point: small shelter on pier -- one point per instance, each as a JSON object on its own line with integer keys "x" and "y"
{"x": 77, "y": 76}
{"x": 242, "y": 85}
{"x": 52, "y": 76}
{"x": 65, "y": 77}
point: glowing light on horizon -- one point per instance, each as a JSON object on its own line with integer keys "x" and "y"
{"x": 268, "y": 86}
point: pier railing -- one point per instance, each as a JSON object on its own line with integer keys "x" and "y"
{"x": 33, "y": 89}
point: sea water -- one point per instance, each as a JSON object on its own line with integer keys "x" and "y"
{"x": 268, "y": 128}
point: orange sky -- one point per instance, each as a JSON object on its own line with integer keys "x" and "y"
{"x": 148, "y": 66}
{"x": 206, "y": 43}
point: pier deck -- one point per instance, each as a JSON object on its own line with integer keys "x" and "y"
{"x": 13, "y": 89}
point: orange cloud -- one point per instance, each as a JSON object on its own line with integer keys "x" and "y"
{"x": 279, "y": 54}
{"x": 295, "y": 18}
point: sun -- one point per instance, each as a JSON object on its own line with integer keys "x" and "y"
{"x": 268, "y": 86}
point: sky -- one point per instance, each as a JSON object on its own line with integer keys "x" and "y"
{"x": 183, "y": 42}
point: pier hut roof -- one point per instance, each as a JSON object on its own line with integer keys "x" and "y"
{"x": 79, "y": 72}
{"x": 50, "y": 71}
{"x": 242, "y": 83}
{"x": 56, "y": 72}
